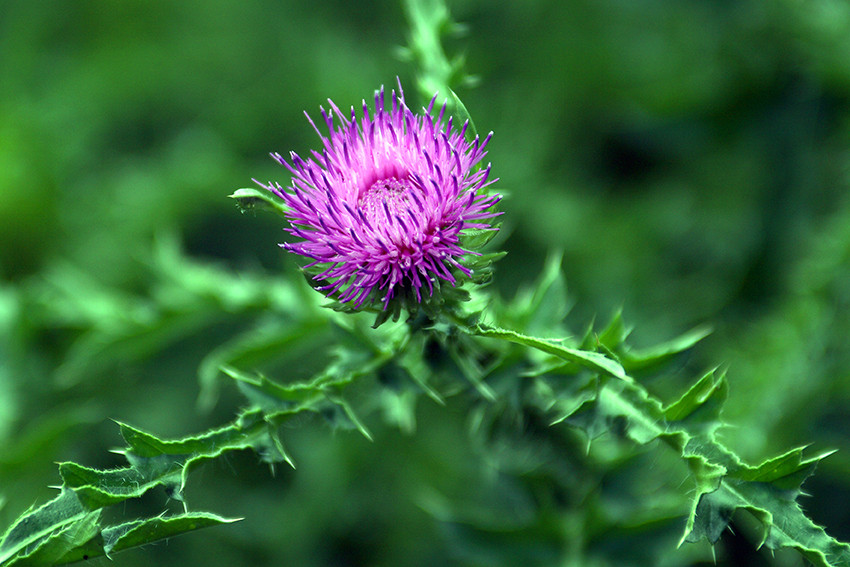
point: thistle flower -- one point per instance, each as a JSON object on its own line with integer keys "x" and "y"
{"x": 383, "y": 206}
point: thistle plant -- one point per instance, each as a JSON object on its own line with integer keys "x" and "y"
{"x": 581, "y": 458}
{"x": 384, "y": 206}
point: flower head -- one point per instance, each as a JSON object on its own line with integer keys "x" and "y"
{"x": 383, "y": 206}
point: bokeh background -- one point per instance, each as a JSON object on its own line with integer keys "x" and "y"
{"x": 690, "y": 159}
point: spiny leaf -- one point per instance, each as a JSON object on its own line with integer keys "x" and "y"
{"x": 265, "y": 342}
{"x": 133, "y": 534}
{"x": 39, "y": 523}
{"x": 712, "y": 386}
{"x": 613, "y": 339}
{"x": 272, "y": 397}
{"x": 84, "y": 539}
{"x": 787, "y": 471}
{"x": 154, "y": 461}
{"x": 723, "y": 482}
{"x": 240, "y": 434}
{"x": 635, "y": 359}
{"x": 66, "y": 528}
{"x": 252, "y": 430}
{"x": 351, "y": 415}
{"x": 140, "y": 532}
{"x": 349, "y": 363}
{"x": 62, "y": 542}
{"x": 99, "y": 488}
{"x": 587, "y": 359}
{"x": 769, "y": 492}
{"x": 783, "y": 522}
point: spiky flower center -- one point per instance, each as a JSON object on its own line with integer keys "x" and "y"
{"x": 392, "y": 193}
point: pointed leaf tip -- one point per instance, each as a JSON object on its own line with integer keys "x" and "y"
{"x": 249, "y": 198}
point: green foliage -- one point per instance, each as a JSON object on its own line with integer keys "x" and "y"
{"x": 769, "y": 492}
{"x": 566, "y": 386}
{"x": 710, "y": 192}
{"x": 68, "y": 528}
{"x": 722, "y": 482}
{"x": 66, "y": 531}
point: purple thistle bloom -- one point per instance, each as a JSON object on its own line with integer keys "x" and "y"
{"x": 381, "y": 208}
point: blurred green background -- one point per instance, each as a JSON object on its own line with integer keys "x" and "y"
{"x": 690, "y": 158}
